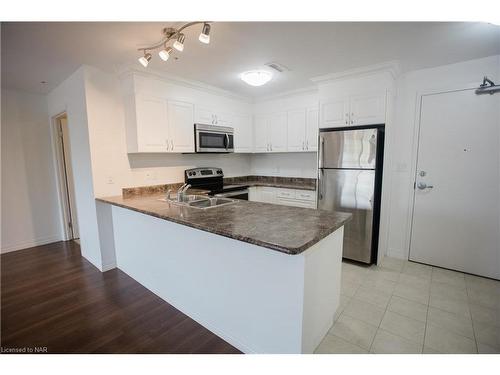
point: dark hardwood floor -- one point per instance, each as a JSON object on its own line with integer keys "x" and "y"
{"x": 52, "y": 297}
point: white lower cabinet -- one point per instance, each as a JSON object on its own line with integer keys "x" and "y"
{"x": 286, "y": 197}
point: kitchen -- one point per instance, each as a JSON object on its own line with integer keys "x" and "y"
{"x": 297, "y": 220}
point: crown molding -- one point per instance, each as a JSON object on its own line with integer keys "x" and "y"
{"x": 127, "y": 70}
{"x": 287, "y": 94}
{"x": 391, "y": 67}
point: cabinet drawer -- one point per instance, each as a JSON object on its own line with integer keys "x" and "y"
{"x": 305, "y": 195}
{"x": 285, "y": 193}
{"x": 295, "y": 203}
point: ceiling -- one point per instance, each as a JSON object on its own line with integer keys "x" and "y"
{"x": 35, "y": 52}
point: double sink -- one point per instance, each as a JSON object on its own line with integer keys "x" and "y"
{"x": 199, "y": 201}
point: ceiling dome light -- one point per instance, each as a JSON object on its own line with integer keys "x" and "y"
{"x": 144, "y": 60}
{"x": 179, "y": 43}
{"x": 205, "y": 34}
{"x": 256, "y": 77}
{"x": 165, "y": 53}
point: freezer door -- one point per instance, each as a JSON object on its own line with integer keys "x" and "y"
{"x": 348, "y": 149}
{"x": 351, "y": 191}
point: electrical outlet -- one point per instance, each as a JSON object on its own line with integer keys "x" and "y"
{"x": 151, "y": 176}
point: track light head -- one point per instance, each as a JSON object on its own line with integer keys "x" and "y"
{"x": 205, "y": 34}
{"x": 144, "y": 60}
{"x": 179, "y": 43}
{"x": 165, "y": 53}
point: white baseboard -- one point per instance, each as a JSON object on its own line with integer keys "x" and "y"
{"x": 107, "y": 267}
{"x": 30, "y": 243}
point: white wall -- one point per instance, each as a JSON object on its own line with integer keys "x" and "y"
{"x": 298, "y": 164}
{"x": 30, "y": 209}
{"x": 70, "y": 97}
{"x": 402, "y": 168}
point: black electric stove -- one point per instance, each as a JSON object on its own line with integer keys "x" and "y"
{"x": 212, "y": 179}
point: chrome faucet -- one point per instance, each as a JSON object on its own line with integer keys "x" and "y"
{"x": 168, "y": 194}
{"x": 181, "y": 192}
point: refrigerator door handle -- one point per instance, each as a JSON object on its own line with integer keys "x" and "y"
{"x": 320, "y": 183}
{"x": 321, "y": 152}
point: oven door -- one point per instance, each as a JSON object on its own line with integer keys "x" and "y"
{"x": 211, "y": 138}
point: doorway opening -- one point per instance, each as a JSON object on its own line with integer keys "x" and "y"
{"x": 65, "y": 177}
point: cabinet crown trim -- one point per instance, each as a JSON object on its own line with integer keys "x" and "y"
{"x": 391, "y": 67}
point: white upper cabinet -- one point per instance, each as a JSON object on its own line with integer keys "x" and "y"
{"x": 180, "y": 121}
{"x": 297, "y": 120}
{"x": 261, "y": 136}
{"x": 212, "y": 117}
{"x": 147, "y": 124}
{"x": 158, "y": 125}
{"x": 355, "y": 110}
{"x": 303, "y": 130}
{"x": 204, "y": 116}
{"x": 312, "y": 125}
{"x": 243, "y": 133}
{"x": 153, "y": 132}
{"x": 277, "y": 132}
{"x": 367, "y": 109}
{"x": 335, "y": 113}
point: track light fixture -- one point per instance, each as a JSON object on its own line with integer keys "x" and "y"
{"x": 205, "y": 34}
{"x": 170, "y": 33}
{"x": 144, "y": 60}
{"x": 179, "y": 43}
{"x": 165, "y": 53}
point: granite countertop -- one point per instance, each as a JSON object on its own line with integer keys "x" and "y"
{"x": 290, "y": 230}
{"x": 279, "y": 182}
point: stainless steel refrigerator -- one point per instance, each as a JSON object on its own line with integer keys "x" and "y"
{"x": 350, "y": 164}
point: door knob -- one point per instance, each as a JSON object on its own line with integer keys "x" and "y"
{"x": 423, "y": 186}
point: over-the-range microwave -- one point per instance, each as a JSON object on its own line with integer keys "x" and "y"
{"x": 211, "y": 138}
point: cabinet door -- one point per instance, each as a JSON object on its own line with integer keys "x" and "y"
{"x": 152, "y": 124}
{"x": 267, "y": 194}
{"x": 243, "y": 133}
{"x": 254, "y": 194}
{"x": 223, "y": 119}
{"x": 278, "y": 131}
{"x": 204, "y": 116}
{"x": 312, "y": 124}
{"x": 368, "y": 109}
{"x": 296, "y": 130}
{"x": 261, "y": 138}
{"x": 335, "y": 113}
{"x": 181, "y": 126}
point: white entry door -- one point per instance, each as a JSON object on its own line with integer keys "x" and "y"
{"x": 457, "y": 194}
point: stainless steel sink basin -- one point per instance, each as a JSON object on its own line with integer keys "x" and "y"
{"x": 199, "y": 201}
{"x": 211, "y": 202}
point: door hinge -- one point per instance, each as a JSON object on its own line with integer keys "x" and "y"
{"x": 70, "y": 225}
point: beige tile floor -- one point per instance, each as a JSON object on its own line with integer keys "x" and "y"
{"x": 406, "y": 307}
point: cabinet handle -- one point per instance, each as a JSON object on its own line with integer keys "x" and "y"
{"x": 307, "y": 144}
{"x": 303, "y": 147}
{"x": 166, "y": 141}
{"x": 172, "y": 144}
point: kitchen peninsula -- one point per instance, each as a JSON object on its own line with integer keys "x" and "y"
{"x": 264, "y": 277}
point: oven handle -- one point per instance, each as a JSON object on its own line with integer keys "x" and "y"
{"x": 226, "y": 138}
